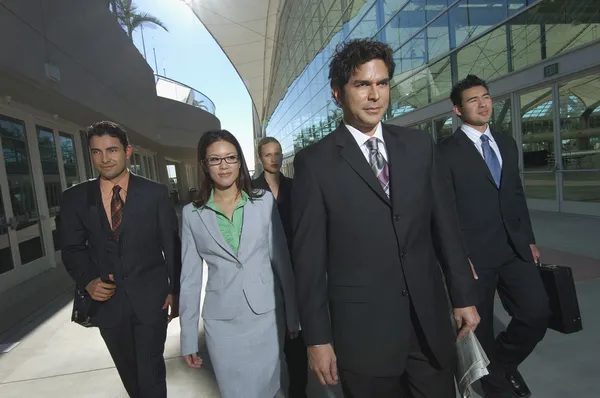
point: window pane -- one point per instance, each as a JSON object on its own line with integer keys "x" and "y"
{"x": 443, "y": 128}
{"x": 21, "y": 189}
{"x": 580, "y": 138}
{"x": 67, "y": 147}
{"x": 52, "y": 184}
{"x": 501, "y": 121}
{"x": 485, "y": 57}
{"x": 538, "y": 144}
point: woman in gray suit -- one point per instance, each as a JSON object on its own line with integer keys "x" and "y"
{"x": 250, "y": 298}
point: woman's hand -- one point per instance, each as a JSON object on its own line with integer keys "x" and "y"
{"x": 193, "y": 361}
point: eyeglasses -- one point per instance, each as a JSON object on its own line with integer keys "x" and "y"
{"x": 215, "y": 161}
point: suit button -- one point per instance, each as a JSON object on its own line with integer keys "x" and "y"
{"x": 405, "y": 292}
{"x": 402, "y": 255}
{"x": 396, "y": 217}
{"x": 125, "y": 278}
{"x": 239, "y": 266}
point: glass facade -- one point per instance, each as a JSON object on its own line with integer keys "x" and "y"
{"x": 435, "y": 43}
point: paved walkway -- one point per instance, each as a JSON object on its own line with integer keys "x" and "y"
{"x": 56, "y": 358}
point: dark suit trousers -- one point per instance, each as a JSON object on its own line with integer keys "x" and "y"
{"x": 423, "y": 377}
{"x": 137, "y": 351}
{"x": 297, "y": 364}
{"x": 523, "y": 296}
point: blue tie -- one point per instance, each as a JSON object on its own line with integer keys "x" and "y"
{"x": 491, "y": 159}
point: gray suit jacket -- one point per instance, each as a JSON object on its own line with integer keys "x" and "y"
{"x": 257, "y": 276}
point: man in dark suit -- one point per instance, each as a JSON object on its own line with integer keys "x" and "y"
{"x": 497, "y": 231}
{"x": 370, "y": 210}
{"x": 119, "y": 239}
{"x": 271, "y": 179}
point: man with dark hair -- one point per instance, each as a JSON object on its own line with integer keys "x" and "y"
{"x": 370, "y": 210}
{"x": 271, "y": 179}
{"x": 497, "y": 231}
{"x": 120, "y": 242}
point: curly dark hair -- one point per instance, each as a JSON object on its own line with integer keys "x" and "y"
{"x": 243, "y": 182}
{"x": 351, "y": 55}
{"x": 468, "y": 82}
{"x": 105, "y": 127}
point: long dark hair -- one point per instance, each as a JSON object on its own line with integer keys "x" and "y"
{"x": 206, "y": 184}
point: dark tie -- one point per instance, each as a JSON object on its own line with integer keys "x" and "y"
{"x": 116, "y": 210}
{"x": 491, "y": 159}
{"x": 379, "y": 165}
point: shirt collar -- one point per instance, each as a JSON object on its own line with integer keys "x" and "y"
{"x": 361, "y": 138}
{"x": 213, "y": 206}
{"x": 475, "y": 135}
{"x": 107, "y": 186}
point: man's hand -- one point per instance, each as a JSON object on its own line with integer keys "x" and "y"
{"x": 193, "y": 361}
{"x": 473, "y": 269}
{"x": 322, "y": 361}
{"x": 172, "y": 301}
{"x": 101, "y": 291}
{"x": 535, "y": 253}
{"x": 466, "y": 319}
{"x": 292, "y": 335}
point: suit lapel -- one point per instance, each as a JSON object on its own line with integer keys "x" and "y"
{"x": 352, "y": 154}
{"x": 131, "y": 201}
{"x": 98, "y": 215}
{"x": 209, "y": 218}
{"x": 400, "y": 176}
{"x": 250, "y": 219}
{"x": 473, "y": 155}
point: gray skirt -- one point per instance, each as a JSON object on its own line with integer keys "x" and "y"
{"x": 246, "y": 353}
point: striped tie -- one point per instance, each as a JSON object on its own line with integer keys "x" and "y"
{"x": 116, "y": 209}
{"x": 379, "y": 165}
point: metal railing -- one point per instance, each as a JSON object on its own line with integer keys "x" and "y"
{"x": 174, "y": 90}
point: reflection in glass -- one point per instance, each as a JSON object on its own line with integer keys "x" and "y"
{"x": 537, "y": 127}
{"x": 52, "y": 184}
{"x": 423, "y": 126}
{"x": 501, "y": 121}
{"x": 67, "y": 147}
{"x": 580, "y": 138}
{"x": 485, "y": 57}
{"x": 443, "y": 128}
{"x": 21, "y": 189}
{"x": 6, "y": 260}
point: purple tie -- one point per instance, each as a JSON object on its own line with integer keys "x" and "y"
{"x": 379, "y": 165}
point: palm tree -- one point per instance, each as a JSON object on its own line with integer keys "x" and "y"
{"x": 130, "y": 19}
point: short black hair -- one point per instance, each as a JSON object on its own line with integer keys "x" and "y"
{"x": 105, "y": 127}
{"x": 350, "y": 56}
{"x": 468, "y": 82}
{"x": 264, "y": 141}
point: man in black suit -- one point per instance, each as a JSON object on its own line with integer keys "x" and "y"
{"x": 370, "y": 210}
{"x": 271, "y": 179}
{"x": 119, "y": 240}
{"x": 497, "y": 231}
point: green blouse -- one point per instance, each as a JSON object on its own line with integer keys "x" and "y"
{"x": 230, "y": 229}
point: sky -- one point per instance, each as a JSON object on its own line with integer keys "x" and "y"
{"x": 188, "y": 53}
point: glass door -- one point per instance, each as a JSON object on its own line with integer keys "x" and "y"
{"x": 539, "y": 149}
{"x": 20, "y": 227}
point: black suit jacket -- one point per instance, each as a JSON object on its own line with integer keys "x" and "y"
{"x": 146, "y": 262}
{"x": 284, "y": 201}
{"x": 361, "y": 259}
{"x": 486, "y": 212}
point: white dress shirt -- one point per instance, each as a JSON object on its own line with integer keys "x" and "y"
{"x": 362, "y": 138}
{"x": 475, "y": 136}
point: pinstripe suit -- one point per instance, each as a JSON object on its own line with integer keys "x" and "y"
{"x": 146, "y": 263}
{"x": 245, "y": 297}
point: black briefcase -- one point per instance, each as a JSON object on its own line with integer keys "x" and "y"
{"x": 84, "y": 308}
{"x": 564, "y": 307}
